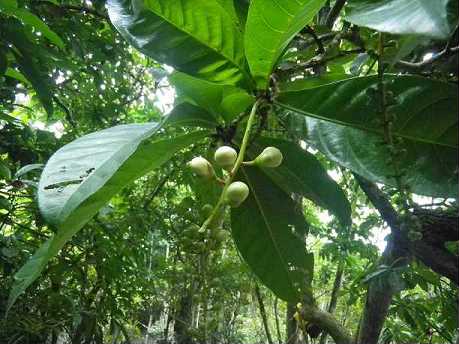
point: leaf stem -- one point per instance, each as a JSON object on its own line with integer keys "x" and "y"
{"x": 234, "y": 170}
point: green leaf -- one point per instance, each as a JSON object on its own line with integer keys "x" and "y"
{"x": 29, "y": 64}
{"x": 403, "y": 47}
{"x": 425, "y": 118}
{"x": 425, "y": 110}
{"x": 29, "y": 18}
{"x": 5, "y": 172}
{"x": 234, "y": 9}
{"x": 15, "y": 74}
{"x": 198, "y": 37}
{"x": 40, "y": 84}
{"x": 4, "y": 203}
{"x": 270, "y": 27}
{"x": 312, "y": 82}
{"x": 429, "y": 169}
{"x": 270, "y": 235}
{"x": 82, "y": 176}
{"x": 220, "y": 100}
{"x": 8, "y": 118}
{"x": 189, "y": 115}
{"x": 26, "y": 169}
{"x": 416, "y": 17}
{"x": 300, "y": 172}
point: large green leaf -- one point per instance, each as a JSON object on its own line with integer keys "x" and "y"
{"x": 82, "y": 176}
{"x": 233, "y": 9}
{"x": 300, "y": 172}
{"x": 270, "y": 235}
{"x": 189, "y": 115}
{"x": 417, "y": 17}
{"x": 312, "y": 82}
{"x": 270, "y": 27}
{"x": 220, "y": 100}
{"x": 428, "y": 169}
{"x": 424, "y": 110}
{"x": 198, "y": 37}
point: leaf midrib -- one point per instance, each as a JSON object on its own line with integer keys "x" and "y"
{"x": 240, "y": 68}
{"x": 358, "y": 126}
{"x": 265, "y": 220}
{"x": 64, "y": 213}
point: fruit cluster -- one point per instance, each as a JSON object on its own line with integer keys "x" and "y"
{"x": 226, "y": 157}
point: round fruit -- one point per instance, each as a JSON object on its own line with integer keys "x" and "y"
{"x": 191, "y": 231}
{"x": 220, "y": 236}
{"x": 270, "y": 157}
{"x": 225, "y": 157}
{"x": 236, "y": 193}
{"x": 201, "y": 167}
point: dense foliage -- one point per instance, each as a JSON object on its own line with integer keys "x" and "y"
{"x": 329, "y": 217}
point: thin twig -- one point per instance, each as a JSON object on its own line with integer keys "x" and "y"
{"x": 237, "y": 164}
{"x": 334, "y": 13}
{"x": 421, "y": 64}
{"x": 82, "y": 9}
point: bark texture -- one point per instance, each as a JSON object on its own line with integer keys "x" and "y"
{"x": 437, "y": 227}
{"x": 326, "y": 322}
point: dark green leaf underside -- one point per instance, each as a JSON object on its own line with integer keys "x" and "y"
{"x": 427, "y": 169}
{"x": 424, "y": 110}
{"x": 301, "y": 173}
{"x": 270, "y": 235}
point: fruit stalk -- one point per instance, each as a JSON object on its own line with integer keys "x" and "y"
{"x": 237, "y": 164}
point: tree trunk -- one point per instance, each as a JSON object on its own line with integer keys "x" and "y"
{"x": 437, "y": 227}
{"x": 380, "y": 290}
{"x": 334, "y": 295}
{"x": 183, "y": 320}
{"x": 263, "y": 314}
{"x": 379, "y": 297}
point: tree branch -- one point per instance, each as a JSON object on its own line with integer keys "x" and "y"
{"x": 82, "y": 9}
{"x": 380, "y": 293}
{"x": 334, "y": 13}
{"x": 327, "y": 322}
{"x": 421, "y": 64}
{"x": 436, "y": 230}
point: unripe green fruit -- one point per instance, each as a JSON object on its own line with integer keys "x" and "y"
{"x": 270, "y": 157}
{"x": 191, "y": 231}
{"x": 201, "y": 167}
{"x": 236, "y": 193}
{"x": 220, "y": 236}
{"x": 225, "y": 157}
